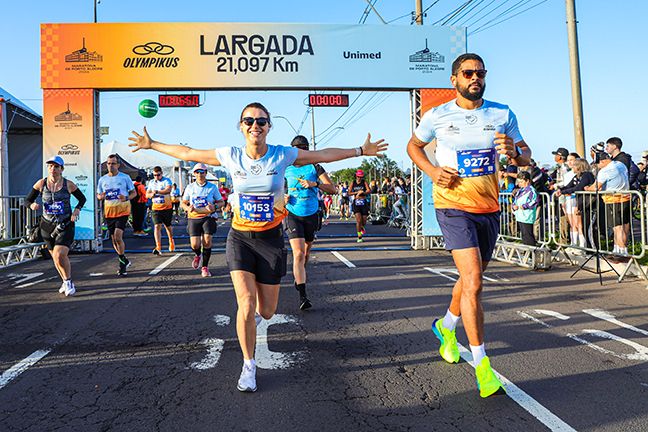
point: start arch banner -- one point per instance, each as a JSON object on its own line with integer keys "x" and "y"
{"x": 129, "y": 56}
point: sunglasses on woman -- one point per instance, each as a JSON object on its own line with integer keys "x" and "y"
{"x": 200, "y": 171}
{"x": 261, "y": 121}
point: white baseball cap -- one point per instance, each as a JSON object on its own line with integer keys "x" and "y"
{"x": 199, "y": 166}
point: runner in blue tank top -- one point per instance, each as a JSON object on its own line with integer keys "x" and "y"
{"x": 302, "y": 203}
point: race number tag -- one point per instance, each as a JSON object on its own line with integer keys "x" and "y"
{"x": 475, "y": 163}
{"x": 112, "y": 194}
{"x": 158, "y": 199}
{"x": 256, "y": 208}
{"x": 199, "y": 202}
{"x": 54, "y": 208}
{"x": 360, "y": 202}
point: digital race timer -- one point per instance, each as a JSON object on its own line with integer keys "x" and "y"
{"x": 328, "y": 100}
{"x": 178, "y": 100}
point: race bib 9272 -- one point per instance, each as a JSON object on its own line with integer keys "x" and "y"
{"x": 475, "y": 163}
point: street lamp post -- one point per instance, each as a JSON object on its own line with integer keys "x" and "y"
{"x": 288, "y": 121}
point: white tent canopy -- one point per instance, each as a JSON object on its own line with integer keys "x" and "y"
{"x": 141, "y": 159}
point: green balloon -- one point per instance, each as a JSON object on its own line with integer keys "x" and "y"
{"x": 148, "y": 108}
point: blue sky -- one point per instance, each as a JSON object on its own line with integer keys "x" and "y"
{"x": 526, "y": 56}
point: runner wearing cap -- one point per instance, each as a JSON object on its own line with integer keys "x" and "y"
{"x": 116, "y": 189}
{"x": 358, "y": 192}
{"x": 57, "y": 222}
{"x": 304, "y": 184}
{"x": 158, "y": 191}
{"x": 255, "y": 250}
{"x": 201, "y": 200}
{"x": 470, "y": 135}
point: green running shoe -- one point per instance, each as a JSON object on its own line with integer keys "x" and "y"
{"x": 449, "y": 349}
{"x": 487, "y": 382}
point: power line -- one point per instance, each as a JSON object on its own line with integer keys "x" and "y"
{"x": 466, "y": 12}
{"x": 502, "y": 14}
{"x": 490, "y": 12}
{"x": 467, "y": 20}
{"x": 452, "y": 13}
{"x": 482, "y": 28}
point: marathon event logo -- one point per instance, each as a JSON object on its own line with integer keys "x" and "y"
{"x": 68, "y": 119}
{"x": 82, "y": 60}
{"x": 152, "y": 55}
{"x": 427, "y": 61}
{"x": 69, "y": 150}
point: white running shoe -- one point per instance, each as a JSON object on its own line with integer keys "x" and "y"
{"x": 70, "y": 290}
{"x": 247, "y": 381}
{"x": 62, "y": 289}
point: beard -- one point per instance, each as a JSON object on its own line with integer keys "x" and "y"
{"x": 471, "y": 96}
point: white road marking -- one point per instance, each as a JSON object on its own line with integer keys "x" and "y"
{"x": 640, "y": 354}
{"x": 214, "y": 346}
{"x": 443, "y": 271}
{"x": 439, "y": 272}
{"x": 532, "y": 406}
{"x": 96, "y": 274}
{"x": 552, "y": 314}
{"x": 604, "y": 315}
{"x": 214, "y": 350}
{"x": 221, "y": 320}
{"x": 36, "y": 282}
{"x": 21, "y": 366}
{"x": 266, "y": 359}
{"x": 344, "y": 260}
{"x": 23, "y": 277}
{"x": 162, "y": 266}
{"x": 534, "y": 319}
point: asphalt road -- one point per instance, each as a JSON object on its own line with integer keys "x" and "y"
{"x": 158, "y": 352}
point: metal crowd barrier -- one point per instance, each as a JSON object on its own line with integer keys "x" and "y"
{"x": 15, "y": 219}
{"x": 509, "y": 228}
{"x": 614, "y": 224}
{"x": 611, "y": 223}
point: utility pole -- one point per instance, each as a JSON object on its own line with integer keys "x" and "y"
{"x": 574, "y": 69}
{"x": 313, "y": 128}
{"x": 419, "y": 12}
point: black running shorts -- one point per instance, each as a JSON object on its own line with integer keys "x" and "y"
{"x": 65, "y": 238}
{"x": 301, "y": 226}
{"x": 116, "y": 223}
{"x": 162, "y": 217}
{"x": 266, "y": 258}
{"x": 198, "y": 227}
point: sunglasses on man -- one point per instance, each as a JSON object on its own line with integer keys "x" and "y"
{"x": 261, "y": 121}
{"x": 200, "y": 171}
{"x": 468, "y": 73}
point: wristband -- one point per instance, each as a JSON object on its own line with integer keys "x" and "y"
{"x": 358, "y": 151}
{"x": 361, "y": 152}
{"x": 317, "y": 183}
{"x": 517, "y": 153}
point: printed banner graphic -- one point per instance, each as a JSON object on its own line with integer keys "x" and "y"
{"x": 431, "y": 98}
{"x": 247, "y": 55}
{"x": 68, "y": 125}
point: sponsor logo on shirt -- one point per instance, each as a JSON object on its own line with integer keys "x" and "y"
{"x": 452, "y": 129}
{"x": 489, "y": 127}
{"x": 272, "y": 172}
{"x": 256, "y": 169}
{"x": 239, "y": 174}
{"x": 471, "y": 119}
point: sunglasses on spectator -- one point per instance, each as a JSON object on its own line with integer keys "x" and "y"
{"x": 200, "y": 171}
{"x": 157, "y": 174}
{"x": 261, "y": 121}
{"x": 468, "y": 73}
